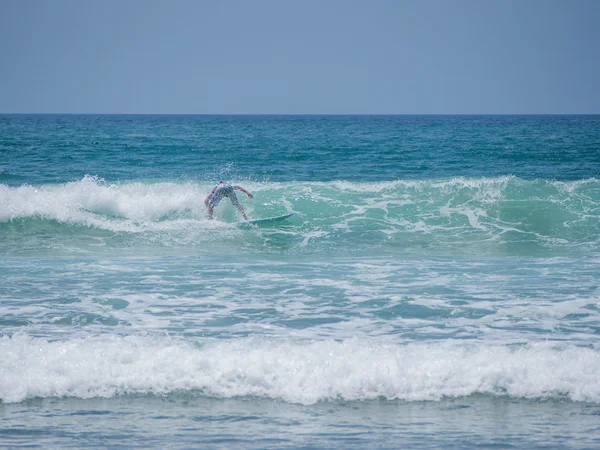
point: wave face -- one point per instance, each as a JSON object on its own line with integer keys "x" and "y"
{"x": 504, "y": 215}
{"x": 295, "y": 372}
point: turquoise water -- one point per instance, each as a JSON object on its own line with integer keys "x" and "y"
{"x": 437, "y": 285}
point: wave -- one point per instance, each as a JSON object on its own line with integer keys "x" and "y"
{"x": 92, "y": 202}
{"x": 503, "y": 210}
{"x": 296, "y": 372}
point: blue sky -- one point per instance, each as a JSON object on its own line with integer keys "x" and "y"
{"x": 300, "y": 57}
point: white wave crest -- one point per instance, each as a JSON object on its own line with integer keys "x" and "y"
{"x": 299, "y": 372}
{"x": 91, "y": 202}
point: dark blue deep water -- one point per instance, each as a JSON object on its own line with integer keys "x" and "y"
{"x": 59, "y": 149}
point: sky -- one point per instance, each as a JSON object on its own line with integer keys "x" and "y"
{"x": 300, "y": 56}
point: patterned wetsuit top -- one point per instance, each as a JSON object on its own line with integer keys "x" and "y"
{"x": 225, "y": 190}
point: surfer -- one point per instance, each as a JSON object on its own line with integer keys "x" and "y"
{"x": 225, "y": 190}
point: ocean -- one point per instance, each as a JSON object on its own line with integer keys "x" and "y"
{"x": 438, "y": 285}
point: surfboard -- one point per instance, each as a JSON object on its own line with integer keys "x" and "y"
{"x": 266, "y": 221}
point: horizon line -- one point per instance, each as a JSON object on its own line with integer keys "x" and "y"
{"x": 287, "y": 114}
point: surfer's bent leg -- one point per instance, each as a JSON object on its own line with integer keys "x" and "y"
{"x": 236, "y": 203}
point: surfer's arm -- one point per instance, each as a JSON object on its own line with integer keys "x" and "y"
{"x": 239, "y": 188}
{"x": 210, "y": 195}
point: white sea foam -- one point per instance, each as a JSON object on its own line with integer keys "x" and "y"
{"x": 299, "y": 372}
{"x": 78, "y": 201}
{"x": 90, "y": 202}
